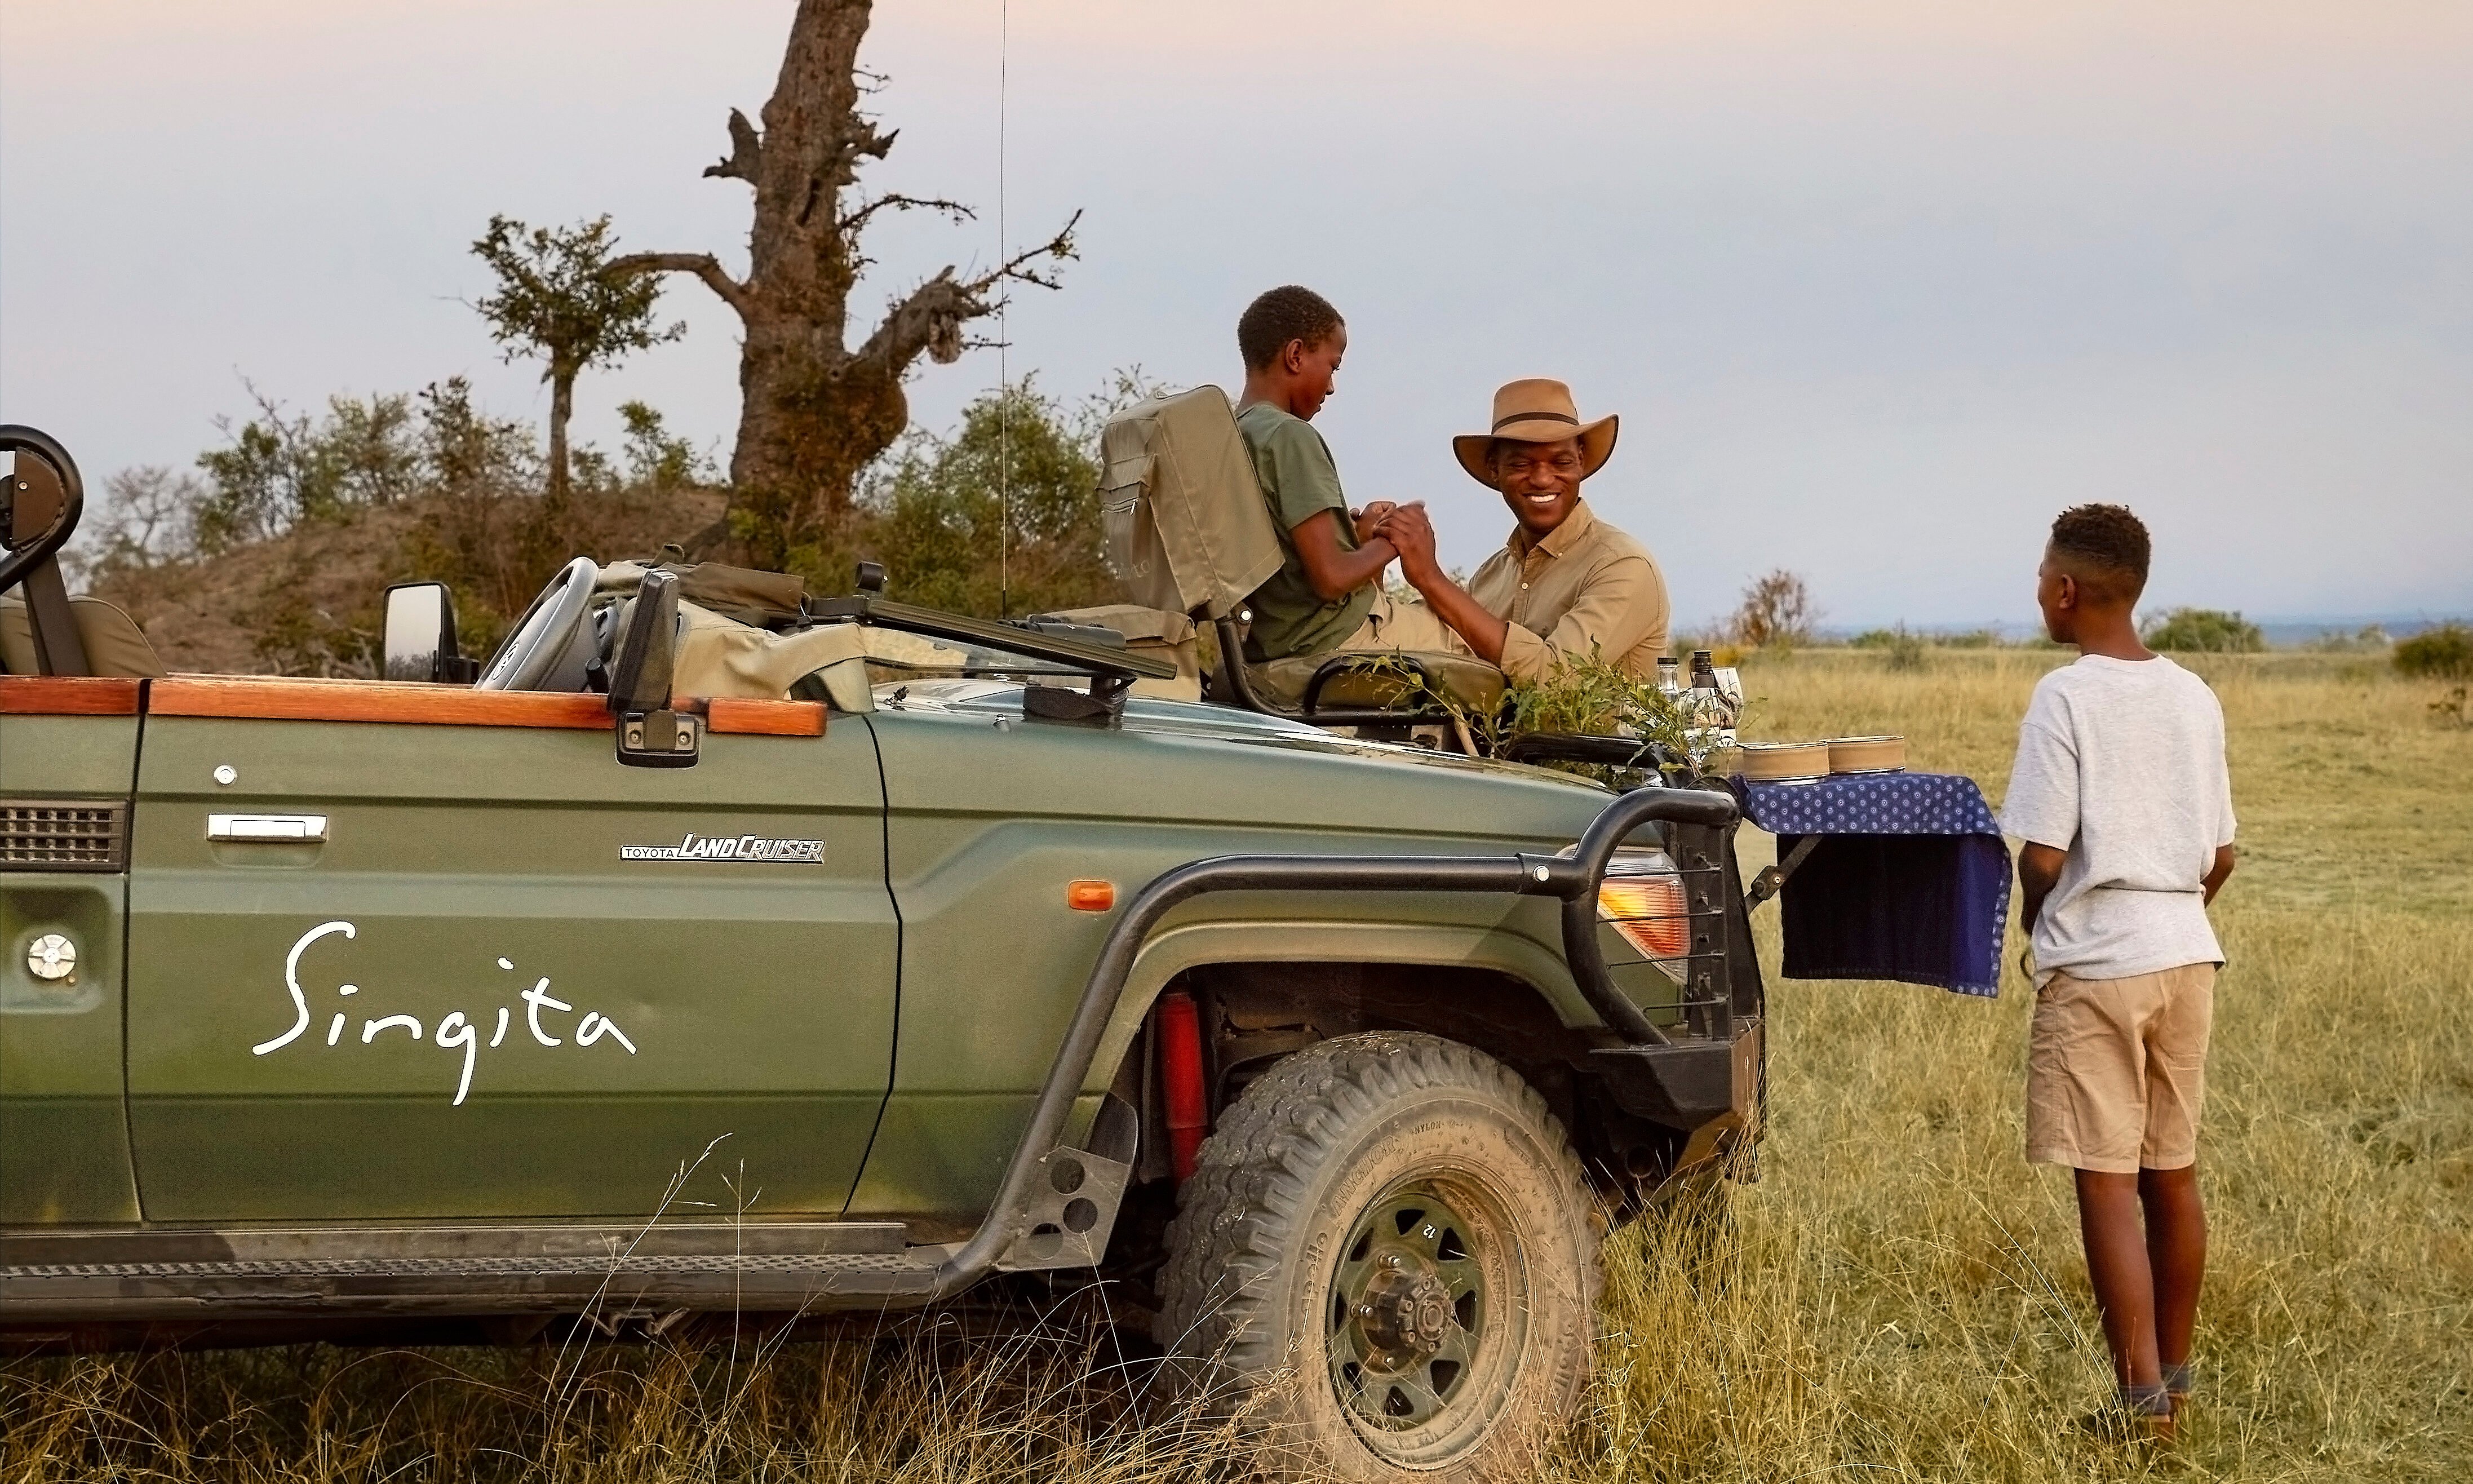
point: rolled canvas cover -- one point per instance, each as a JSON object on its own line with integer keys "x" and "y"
{"x": 1187, "y": 529}
{"x": 752, "y": 597}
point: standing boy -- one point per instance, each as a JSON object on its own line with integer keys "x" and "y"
{"x": 2120, "y": 796}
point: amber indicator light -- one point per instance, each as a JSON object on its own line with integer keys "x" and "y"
{"x": 1091, "y": 895}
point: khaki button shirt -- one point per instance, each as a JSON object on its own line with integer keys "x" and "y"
{"x": 1587, "y": 587}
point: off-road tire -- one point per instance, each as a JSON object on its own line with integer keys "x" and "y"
{"x": 1270, "y": 1251}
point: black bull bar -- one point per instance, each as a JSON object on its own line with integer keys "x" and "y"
{"x": 1684, "y": 1082}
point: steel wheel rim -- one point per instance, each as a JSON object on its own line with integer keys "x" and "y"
{"x": 1417, "y": 1384}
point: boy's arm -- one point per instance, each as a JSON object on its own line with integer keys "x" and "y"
{"x": 1303, "y": 484}
{"x": 2039, "y": 870}
{"x": 1332, "y": 570}
{"x": 2217, "y": 874}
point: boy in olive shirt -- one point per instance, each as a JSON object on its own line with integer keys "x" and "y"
{"x": 1327, "y": 594}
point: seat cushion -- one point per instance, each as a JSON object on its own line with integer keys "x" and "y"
{"x": 1466, "y": 681}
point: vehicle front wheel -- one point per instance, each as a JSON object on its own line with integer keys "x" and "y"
{"x": 1388, "y": 1249}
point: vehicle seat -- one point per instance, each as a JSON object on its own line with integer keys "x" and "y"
{"x": 114, "y": 644}
{"x": 1466, "y": 681}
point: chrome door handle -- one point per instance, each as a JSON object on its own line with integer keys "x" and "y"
{"x": 272, "y": 828}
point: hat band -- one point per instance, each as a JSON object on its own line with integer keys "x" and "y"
{"x": 1500, "y": 423}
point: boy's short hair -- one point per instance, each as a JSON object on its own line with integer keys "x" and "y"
{"x": 1289, "y": 312}
{"x": 2104, "y": 539}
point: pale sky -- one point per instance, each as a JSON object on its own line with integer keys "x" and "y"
{"x": 1876, "y": 288}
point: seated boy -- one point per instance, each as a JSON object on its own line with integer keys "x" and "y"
{"x": 2120, "y": 796}
{"x": 1327, "y": 594}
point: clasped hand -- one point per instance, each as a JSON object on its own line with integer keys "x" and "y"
{"x": 1405, "y": 526}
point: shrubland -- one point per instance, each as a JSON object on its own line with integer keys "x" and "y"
{"x": 274, "y": 553}
{"x": 1899, "y": 1297}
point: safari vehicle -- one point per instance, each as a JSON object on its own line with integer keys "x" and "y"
{"x": 835, "y": 955}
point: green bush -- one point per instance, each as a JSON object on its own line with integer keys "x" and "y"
{"x": 1001, "y": 515}
{"x": 2444, "y": 652}
{"x": 2204, "y": 631}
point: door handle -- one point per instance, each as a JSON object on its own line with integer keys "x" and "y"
{"x": 270, "y": 828}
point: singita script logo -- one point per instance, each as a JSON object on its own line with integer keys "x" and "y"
{"x": 739, "y": 847}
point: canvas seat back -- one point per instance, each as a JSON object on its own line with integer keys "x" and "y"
{"x": 1187, "y": 529}
{"x": 113, "y": 643}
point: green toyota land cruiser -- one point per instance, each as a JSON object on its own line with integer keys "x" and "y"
{"x": 718, "y": 951}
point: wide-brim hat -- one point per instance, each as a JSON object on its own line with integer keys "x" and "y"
{"x": 1537, "y": 409}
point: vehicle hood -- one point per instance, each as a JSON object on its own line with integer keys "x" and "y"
{"x": 1226, "y": 724}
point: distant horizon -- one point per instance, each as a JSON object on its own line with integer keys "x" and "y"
{"x": 2280, "y": 629}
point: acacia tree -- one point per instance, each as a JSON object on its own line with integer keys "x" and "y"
{"x": 558, "y": 301}
{"x": 815, "y": 409}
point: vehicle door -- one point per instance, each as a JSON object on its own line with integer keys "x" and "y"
{"x": 388, "y": 968}
{"x": 68, "y": 751}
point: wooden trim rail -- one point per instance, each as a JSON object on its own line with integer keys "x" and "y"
{"x": 280, "y": 698}
{"x": 68, "y": 695}
{"x": 372, "y": 700}
{"x": 763, "y": 717}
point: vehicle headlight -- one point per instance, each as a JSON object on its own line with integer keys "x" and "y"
{"x": 1642, "y": 897}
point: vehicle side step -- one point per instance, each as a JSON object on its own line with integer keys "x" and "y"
{"x": 493, "y": 1270}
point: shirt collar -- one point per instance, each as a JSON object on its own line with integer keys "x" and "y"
{"x": 1562, "y": 538}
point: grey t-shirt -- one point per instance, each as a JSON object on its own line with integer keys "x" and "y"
{"x": 2121, "y": 763}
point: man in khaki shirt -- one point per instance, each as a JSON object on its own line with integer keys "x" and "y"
{"x": 1567, "y": 585}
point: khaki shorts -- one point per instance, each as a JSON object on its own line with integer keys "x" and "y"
{"x": 2116, "y": 1070}
{"x": 1395, "y": 623}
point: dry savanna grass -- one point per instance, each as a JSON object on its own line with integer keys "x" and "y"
{"x": 1899, "y": 1297}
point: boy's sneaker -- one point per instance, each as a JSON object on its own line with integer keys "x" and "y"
{"x": 2140, "y": 1414}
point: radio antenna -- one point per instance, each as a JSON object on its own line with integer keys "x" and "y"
{"x": 1004, "y": 339}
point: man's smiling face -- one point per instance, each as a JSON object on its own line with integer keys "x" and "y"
{"x": 1541, "y": 482}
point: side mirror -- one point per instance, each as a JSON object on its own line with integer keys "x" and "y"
{"x": 419, "y": 642}
{"x": 650, "y": 734}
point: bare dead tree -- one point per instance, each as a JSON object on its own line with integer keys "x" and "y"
{"x": 815, "y": 410}
{"x": 1778, "y": 610}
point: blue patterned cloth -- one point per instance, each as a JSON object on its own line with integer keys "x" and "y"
{"x": 1909, "y": 881}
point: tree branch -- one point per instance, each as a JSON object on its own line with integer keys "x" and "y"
{"x": 931, "y": 318}
{"x": 1059, "y": 248}
{"x": 854, "y": 222}
{"x": 704, "y": 265}
{"x": 933, "y": 311}
{"x": 746, "y": 151}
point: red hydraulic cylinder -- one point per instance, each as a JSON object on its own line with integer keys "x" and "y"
{"x": 1180, "y": 1059}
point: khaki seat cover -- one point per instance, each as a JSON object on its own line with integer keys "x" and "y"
{"x": 1154, "y": 632}
{"x": 114, "y": 644}
{"x": 1187, "y": 529}
{"x": 1468, "y": 681}
{"x": 721, "y": 657}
